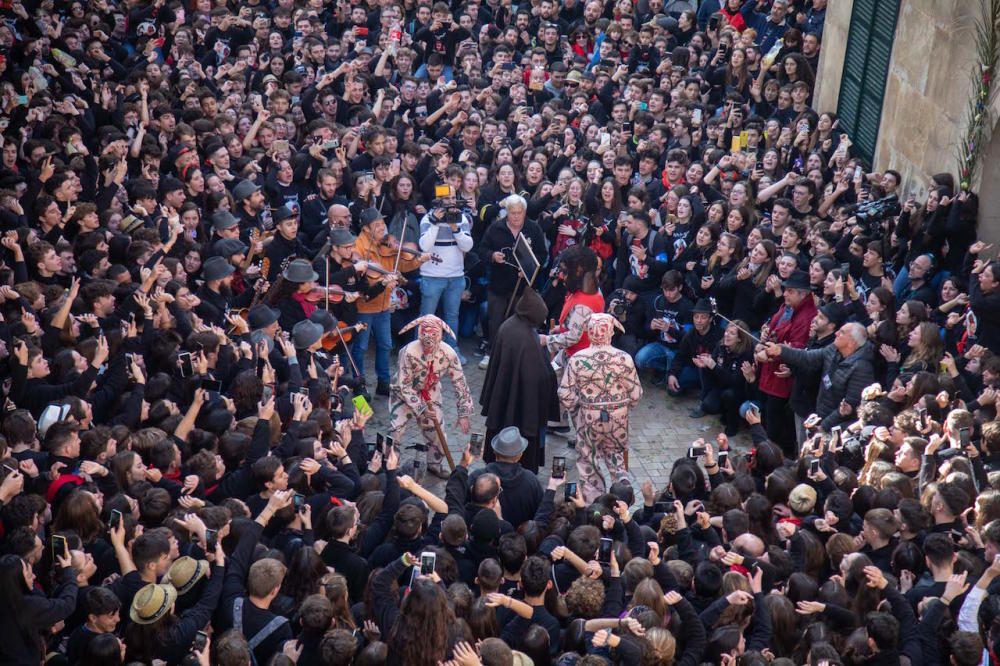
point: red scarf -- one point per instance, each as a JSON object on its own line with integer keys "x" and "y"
{"x": 307, "y": 307}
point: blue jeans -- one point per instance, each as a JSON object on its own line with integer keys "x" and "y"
{"x": 659, "y": 357}
{"x": 379, "y": 323}
{"x": 448, "y": 293}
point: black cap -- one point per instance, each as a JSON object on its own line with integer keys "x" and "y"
{"x": 703, "y": 306}
{"x": 835, "y": 312}
{"x": 797, "y": 280}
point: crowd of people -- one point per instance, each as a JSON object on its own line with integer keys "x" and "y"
{"x": 209, "y": 211}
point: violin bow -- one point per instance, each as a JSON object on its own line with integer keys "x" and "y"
{"x": 399, "y": 250}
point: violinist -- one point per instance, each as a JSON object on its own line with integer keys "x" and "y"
{"x": 293, "y": 293}
{"x": 382, "y": 251}
{"x": 285, "y": 242}
{"x": 347, "y": 271}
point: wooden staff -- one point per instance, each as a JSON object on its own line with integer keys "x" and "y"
{"x": 441, "y": 438}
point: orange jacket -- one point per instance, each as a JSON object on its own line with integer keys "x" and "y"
{"x": 386, "y": 258}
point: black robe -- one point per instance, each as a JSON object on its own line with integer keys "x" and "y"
{"x": 520, "y": 385}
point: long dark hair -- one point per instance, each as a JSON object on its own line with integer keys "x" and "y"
{"x": 12, "y": 591}
{"x": 420, "y": 634}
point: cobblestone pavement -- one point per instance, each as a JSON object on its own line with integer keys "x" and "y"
{"x": 660, "y": 429}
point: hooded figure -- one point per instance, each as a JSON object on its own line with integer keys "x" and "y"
{"x": 520, "y": 385}
{"x": 598, "y": 388}
{"x": 416, "y": 391}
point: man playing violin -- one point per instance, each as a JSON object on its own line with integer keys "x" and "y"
{"x": 376, "y": 247}
{"x": 347, "y": 271}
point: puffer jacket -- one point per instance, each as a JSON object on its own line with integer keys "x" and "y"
{"x": 840, "y": 378}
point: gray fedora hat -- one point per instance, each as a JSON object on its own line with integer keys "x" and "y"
{"x": 216, "y": 268}
{"x": 341, "y": 236}
{"x": 224, "y": 220}
{"x": 306, "y": 333}
{"x": 243, "y": 189}
{"x": 508, "y": 442}
{"x": 300, "y": 271}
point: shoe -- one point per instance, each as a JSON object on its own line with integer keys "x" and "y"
{"x": 382, "y": 389}
{"x": 570, "y": 443}
{"x": 438, "y": 471}
{"x": 462, "y": 359}
{"x": 697, "y": 412}
{"x": 483, "y": 348}
{"x": 558, "y": 430}
{"x": 484, "y": 362}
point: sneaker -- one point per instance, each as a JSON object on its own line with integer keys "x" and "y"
{"x": 382, "y": 389}
{"x": 697, "y": 412}
{"x": 484, "y": 362}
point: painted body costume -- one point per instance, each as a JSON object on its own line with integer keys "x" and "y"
{"x": 599, "y": 388}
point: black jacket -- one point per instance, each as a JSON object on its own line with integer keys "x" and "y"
{"x": 21, "y": 637}
{"x": 840, "y": 378}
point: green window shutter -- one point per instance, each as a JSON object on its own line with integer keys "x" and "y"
{"x": 866, "y": 67}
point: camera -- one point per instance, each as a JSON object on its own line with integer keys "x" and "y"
{"x": 619, "y": 306}
{"x": 871, "y": 213}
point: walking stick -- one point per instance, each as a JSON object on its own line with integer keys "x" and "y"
{"x": 442, "y": 440}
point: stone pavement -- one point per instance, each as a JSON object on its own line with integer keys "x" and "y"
{"x": 660, "y": 431}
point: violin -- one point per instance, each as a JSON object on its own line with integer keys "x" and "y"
{"x": 344, "y": 333}
{"x": 335, "y": 292}
{"x": 390, "y": 242}
{"x": 376, "y": 272}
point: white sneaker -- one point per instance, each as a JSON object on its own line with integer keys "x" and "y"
{"x": 484, "y": 362}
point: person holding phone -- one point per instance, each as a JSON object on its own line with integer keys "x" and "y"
{"x": 29, "y": 615}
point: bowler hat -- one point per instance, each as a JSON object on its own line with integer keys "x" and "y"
{"x": 216, "y": 268}
{"x": 835, "y": 313}
{"x": 300, "y": 271}
{"x": 508, "y": 442}
{"x": 324, "y": 318}
{"x": 797, "y": 280}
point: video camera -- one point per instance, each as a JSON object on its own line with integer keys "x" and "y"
{"x": 871, "y": 213}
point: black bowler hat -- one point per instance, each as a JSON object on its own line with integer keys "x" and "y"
{"x": 797, "y": 280}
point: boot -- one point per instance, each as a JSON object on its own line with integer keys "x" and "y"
{"x": 382, "y": 389}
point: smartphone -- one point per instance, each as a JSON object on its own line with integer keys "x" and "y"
{"x": 281, "y": 146}
{"x": 211, "y": 540}
{"x": 696, "y": 117}
{"x": 627, "y": 127}
{"x": 835, "y": 435}
{"x": 427, "y": 562}
{"x": 922, "y": 413}
{"x": 212, "y": 385}
{"x": 184, "y": 360}
{"x": 713, "y": 23}
{"x": 303, "y": 390}
{"x": 604, "y": 554}
{"x": 696, "y": 451}
{"x": 507, "y": 67}
{"x": 570, "y": 490}
{"x": 723, "y": 458}
{"x": 857, "y": 172}
{"x": 723, "y": 49}
{"x": 299, "y": 500}
{"x": 115, "y": 520}
{"x": 558, "y": 467}
{"x": 396, "y": 35}
{"x": 845, "y": 270}
{"x": 200, "y": 641}
{"x": 759, "y": 166}
{"x": 379, "y": 443}
{"x": 476, "y": 441}
{"x": 361, "y": 405}
{"x": 814, "y": 467}
{"x": 963, "y": 437}
{"x": 442, "y": 192}
{"x": 332, "y": 144}
{"x": 59, "y": 547}
{"x": 662, "y": 507}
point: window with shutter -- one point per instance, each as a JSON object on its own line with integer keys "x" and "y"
{"x": 866, "y": 66}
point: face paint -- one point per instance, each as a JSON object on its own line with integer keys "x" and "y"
{"x": 601, "y": 328}
{"x": 430, "y": 335}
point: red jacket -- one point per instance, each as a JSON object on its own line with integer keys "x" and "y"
{"x": 794, "y": 333}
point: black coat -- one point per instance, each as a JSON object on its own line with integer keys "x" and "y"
{"x": 520, "y": 385}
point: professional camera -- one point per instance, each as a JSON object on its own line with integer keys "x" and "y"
{"x": 619, "y": 305}
{"x": 452, "y": 215}
{"x": 871, "y": 213}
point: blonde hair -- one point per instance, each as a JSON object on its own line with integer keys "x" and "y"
{"x": 663, "y": 644}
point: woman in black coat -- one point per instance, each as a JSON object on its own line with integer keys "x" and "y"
{"x": 28, "y": 616}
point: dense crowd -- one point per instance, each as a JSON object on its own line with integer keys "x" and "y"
{"x": 210, "y": 211}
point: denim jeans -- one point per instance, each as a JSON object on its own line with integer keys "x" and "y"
{"x": 379, "y": 323}
{"x": 659, "y": 357}
{"x": 446, "y": 292}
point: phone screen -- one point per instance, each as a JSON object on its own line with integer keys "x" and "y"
{"x": 963, "y": 436}
{"x": 427, "y": 561}
{"x": 558, "y": 467}
{"x": 211, "y": 540}
{"x": 116, "y": 519}
{"x": 58, "y": 546}
{"x": 187, "y": 368}
{"x": 476, "y": 441}
{"x": 604, "y": 554}
{"x": 570, "y": 490}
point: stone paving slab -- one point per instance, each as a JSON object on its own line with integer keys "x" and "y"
{"x": 660, "y": 430}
